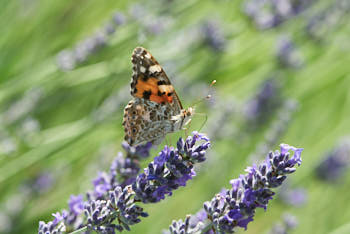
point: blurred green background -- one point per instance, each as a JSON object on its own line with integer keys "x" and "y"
{"x": 282, "y": 72}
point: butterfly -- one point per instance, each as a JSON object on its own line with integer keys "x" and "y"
{"x": 155, "y": 109}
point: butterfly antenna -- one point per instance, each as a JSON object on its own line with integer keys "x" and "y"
{"x": 209, "y": 95}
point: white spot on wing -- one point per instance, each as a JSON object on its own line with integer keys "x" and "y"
{"x": 142, "y": 69}
{"x": 155, "y": 68}
{"x": 148, "y": 55}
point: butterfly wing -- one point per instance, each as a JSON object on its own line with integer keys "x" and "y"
{"x": 150, "y": 82}
{"x": 145, "y": 120}
{"x": 156, "y": 109}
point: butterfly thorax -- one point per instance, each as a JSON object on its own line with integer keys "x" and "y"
{"x": 183, "y": 118}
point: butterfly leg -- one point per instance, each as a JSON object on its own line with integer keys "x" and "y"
{"x": 205, "y": 120}
{"x": 188, "y": 127}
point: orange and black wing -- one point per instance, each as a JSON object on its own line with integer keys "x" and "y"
{"x": 150, "y": 82}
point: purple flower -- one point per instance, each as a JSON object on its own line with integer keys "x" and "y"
{"x": 287, "y": 53}
{"x": 235, "y": 214}
{"x": 112, "y": 206}
{"x": 43, "y": 182}
{"x": 45, "y": 228}
{"x": 170, "y": 169}
{"x": 139, "y": 151}
{"x": 123, "y": 170}
{"x": 119, "y": 18}
{"x": 101, "y": 184}
{"x": 55, "y": 226}
{"x": 157, "y": 26}
{"x": 335, "y": 163}
{"x": 109, "y": 29}
{"x": 289, "y": 222}
{"x": 76, "y": 204}
{"x": 58, "y": 217}
{"x": 213, "y": 35}
{"x": 294, "y": 197}
{"x": 201, "y": 215}
{"x": 271, "y": 13}
{"x": 322, "y": 23}
{"x": 68, "y": 59}
{"x": 186, "y": 226}
{"x": 192, "y": 224}
{"x": 119, "y": 207}
{"x": 267, "y": 100}
{"x": 248, "y": 192}
{"x": 296, "y": 159}
{"x": 297, "y": 197}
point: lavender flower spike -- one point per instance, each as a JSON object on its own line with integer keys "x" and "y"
{"x": 101, "y": 214}
{"x": 113, "y": 206}
{"x": 225, "y": 213}
{"x": 171, "y": 169}
{"x": 336, "y": 162}
{"x": 55, "y": 226}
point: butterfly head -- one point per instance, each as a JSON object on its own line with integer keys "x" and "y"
{"x": 183, "y": 118}
{"x": 187, "y": 115}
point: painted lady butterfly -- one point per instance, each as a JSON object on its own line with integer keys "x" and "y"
{"x": 155, "y": 109}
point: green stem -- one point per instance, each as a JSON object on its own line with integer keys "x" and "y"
{"x": 207, "y": 228}
{"x": 79, "y": 230}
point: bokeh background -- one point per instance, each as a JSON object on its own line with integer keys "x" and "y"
{"x": 283, "y": 75}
